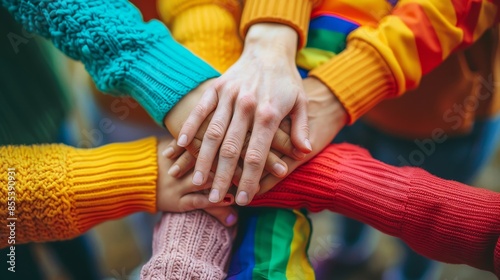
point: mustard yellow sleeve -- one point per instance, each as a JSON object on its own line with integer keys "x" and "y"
{"x": 388, "y": 59}
{"x": 208, "y": 28}
{"x": 294, "y": 13}
{"x": 54, "y": 192}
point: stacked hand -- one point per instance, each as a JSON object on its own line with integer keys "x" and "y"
{"x": 255, "y": 94}
{"x": 326, "y": 118}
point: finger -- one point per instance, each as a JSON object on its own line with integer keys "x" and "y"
{"x": 274, "y": 164}
{"x": 205, "y": 106}
{"x": 194, "y": 147}
{"x": 300, "y": 127}
{"x": 188, "y": 186}
{"x": 194, "y": 201}
{"x": 225, "y": 215}
{"x": 212, "y": 140}
{"x": 229, "y": 155}
{"x": 265, "y": 126}
{"x": 268, "y": 182}
{"x": 172, "y": 151}
{"x": 182, "y": 164}
{"x": 282, "y": 143}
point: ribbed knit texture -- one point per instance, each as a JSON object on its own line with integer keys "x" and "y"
{"x": 32, "y": 103}
{"x": 207, "y": 28}
{"x": 359, "y": 77}
{"x": 192, "y": 245}
{"x": 440, "y": 219}
{"x": 61, "y": 191}
{"x": 294, "y": 13}
{"x": 123, "y": 54}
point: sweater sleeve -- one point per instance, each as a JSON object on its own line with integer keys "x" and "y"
{"x": 440, "y": 219}
{"x": 208, "y": 28}
{"x": 294, "y": 13}
{"x": 387, "y": 60}
{"x": 54, "y": 192}
{"x": 123, "y": 54}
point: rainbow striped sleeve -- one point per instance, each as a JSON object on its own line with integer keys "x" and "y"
{"x": 271, "y": 244}
{"x": 387, "y": 59}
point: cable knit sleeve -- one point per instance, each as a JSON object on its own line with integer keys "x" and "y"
{"x": 54, "y": 192}
{"x": 440, "y": 219}
{"x": 123, "y": 54}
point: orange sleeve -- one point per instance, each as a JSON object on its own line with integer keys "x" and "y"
{"x": 294, "y": 13}
{"x": 54, "y": 192}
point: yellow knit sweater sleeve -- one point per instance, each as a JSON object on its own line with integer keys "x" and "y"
{"x": 208, "y": 28}
{"x": 54, "y": 192}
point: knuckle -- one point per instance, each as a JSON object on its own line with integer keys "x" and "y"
{"x": 219, "y": 84}
{"x": 246, "y": 103}
{"x": 267, "y": 115}
{"x": 215, "y": 131}
{"x": 249, "y": 185}
{"x": 229, "y": 149}
{"x": 254, "y": 158}
{"x": 223, "y": 180}
{"x": 200, "y": 110}
{"x": 194, "y": 149}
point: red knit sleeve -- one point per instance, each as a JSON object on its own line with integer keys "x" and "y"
{"x": 440, "y": 219}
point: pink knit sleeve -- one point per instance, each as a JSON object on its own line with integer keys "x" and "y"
{"x": 191, "y": 245}
{"x": 443, "y": 220}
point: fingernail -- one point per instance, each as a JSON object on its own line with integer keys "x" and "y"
{"x": 227, "y": 199}
{"x": 298, "y": 154}
{"x": 198, "y": 178}
{"x": 214, "y": 196}
{"x": 279, "y": 169}
{"x": 182, "y": 141}
{"x": 308, "y": 145}
{"x": 168, "y": 152}
{"x": 174, "y": 170}
{"x": 242, "y": 198}
{"x": 231, "y": 219}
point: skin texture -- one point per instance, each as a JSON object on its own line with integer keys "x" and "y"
{"x": 256, "y": 93}
{"x": 180, "y": 195}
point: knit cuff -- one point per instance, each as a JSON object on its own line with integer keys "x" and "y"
{"x": 162, "y": 75}
{"x": 359, "y": 77}
{"x": 293, "y": 13}
{"x": 191, "y": 245}
{"x": 113, "y": 181}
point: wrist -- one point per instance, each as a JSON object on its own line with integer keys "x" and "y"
{"x": 320, "y": 94}
{"x": 276, "y": 37}
{"x": 179, "y": 113}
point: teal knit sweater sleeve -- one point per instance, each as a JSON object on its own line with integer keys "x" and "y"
{"x": 123, "y": 54}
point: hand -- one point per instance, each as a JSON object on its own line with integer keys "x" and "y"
{"x": 180, "y": 195}
{"x": 256, "y": 93}
{"x": 327, "y": 117}
{"x": 281, "y": 142}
